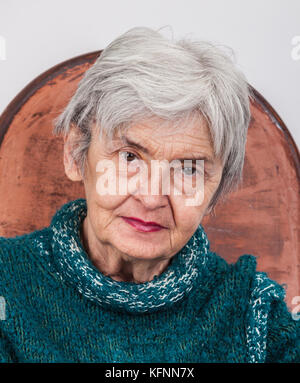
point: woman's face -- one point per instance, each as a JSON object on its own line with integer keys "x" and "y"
{"x": 179, "y": 221}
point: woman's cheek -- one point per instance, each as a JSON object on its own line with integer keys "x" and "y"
{"x": 187, "y": 218}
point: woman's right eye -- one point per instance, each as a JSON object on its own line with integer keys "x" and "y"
{"x": 128, "y": 156}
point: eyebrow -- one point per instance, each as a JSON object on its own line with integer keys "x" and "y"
{"x": 130, "y": 142}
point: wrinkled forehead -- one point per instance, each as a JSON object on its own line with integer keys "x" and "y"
{"x": 189, "y": 142}
{"x": 187, "y": 132}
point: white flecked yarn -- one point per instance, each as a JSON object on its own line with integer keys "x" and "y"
{"x": 264, "y": 292}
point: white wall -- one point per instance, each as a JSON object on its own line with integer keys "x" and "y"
{"x": 40, "y": 34}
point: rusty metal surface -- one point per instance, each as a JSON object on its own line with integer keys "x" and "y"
{"x": 261, "y": 218}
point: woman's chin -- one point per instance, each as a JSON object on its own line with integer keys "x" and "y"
{"x": 141, "y": 245}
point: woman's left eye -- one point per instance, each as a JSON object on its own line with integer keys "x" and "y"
{"x": 189, "y": 171}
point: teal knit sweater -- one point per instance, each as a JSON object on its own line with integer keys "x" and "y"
{"x": 56, "y": 306}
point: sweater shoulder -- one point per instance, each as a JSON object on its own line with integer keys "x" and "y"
{"x": 261, "y": 286}
{"x": 256, "y": 286}
{"x": 18, "y": 251}
{"x": 243, "y": 271}
{"x": 8, "y": 243}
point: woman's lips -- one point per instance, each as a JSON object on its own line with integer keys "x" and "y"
{"x": 143, "y": 226}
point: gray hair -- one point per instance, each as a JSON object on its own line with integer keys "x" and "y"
{"x": 142, "y": 74}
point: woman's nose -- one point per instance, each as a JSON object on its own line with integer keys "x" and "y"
{"x": 151, "y": 192}
{"x": 152, "y": 201}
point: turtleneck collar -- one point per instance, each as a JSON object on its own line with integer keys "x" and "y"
{"x": 74, "y": 266}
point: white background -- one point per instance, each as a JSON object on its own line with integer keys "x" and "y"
{"x": 41, "y": 34}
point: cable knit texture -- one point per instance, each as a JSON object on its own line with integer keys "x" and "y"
{"x": 56, "y": 306}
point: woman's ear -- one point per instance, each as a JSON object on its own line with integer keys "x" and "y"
{"x": 71, "y": 169}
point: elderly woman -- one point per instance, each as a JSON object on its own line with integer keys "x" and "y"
{"x": 127, "y": 275}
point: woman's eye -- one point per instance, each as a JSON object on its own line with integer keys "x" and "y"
{"x": 128, "y": 156}
{"x": 189, "y": 171}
